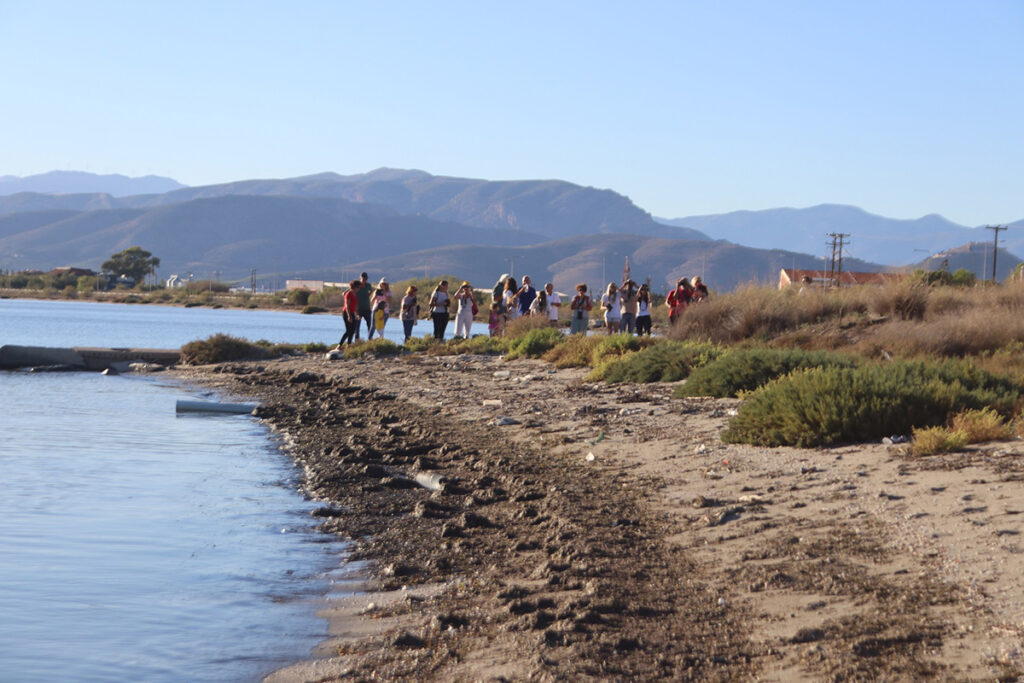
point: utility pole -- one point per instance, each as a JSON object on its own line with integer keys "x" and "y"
{"x": 835, "y": 269}
{"x": 995, "y": 246}
{"x": 252, "y": 281}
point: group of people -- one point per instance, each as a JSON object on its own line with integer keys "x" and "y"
{"x": 362, "y": 304}
{"x": 625, "y": 307}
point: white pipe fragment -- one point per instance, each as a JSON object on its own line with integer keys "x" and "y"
{"x": 429, "y": 480}
{"x": 211, "y": 407}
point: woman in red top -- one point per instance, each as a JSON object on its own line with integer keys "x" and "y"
{"x": 350, "y": 312}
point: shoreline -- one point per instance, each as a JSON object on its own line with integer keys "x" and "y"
{"x": 611, "y": 534}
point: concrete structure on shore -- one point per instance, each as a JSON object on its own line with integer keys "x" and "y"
{"x": 13, "y": 357}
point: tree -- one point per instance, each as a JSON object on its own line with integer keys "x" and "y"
{"x": 133, "y": 262}
{"x": 963, "y": 278}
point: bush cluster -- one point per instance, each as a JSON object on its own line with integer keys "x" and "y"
{"x": 576, "y": 351}
{"x": 830, "y": 405}
{"x": 663, "y": 362}
{"x": 745, "y": 370}
{"x": 534, "y": 343}
{"x": 373, "y": 347}
{"x": 971, "y": 426}
{"x": 220, "y": 348}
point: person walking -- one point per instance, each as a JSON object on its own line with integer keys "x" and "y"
{"x": 439, "y": 306}
{"x": 364, "y": 305}
{"x": 350, "y": 313}
{"x": 643, "y": 311}
{"x": 628, "y": 305}
{"x": 580, "y": 306}
{"x": 466, "y": 309}
{"x": 410, "y": 311}
{"x": 381, "y": 303}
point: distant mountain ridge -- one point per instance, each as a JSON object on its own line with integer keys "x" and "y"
{"x": 233, "y": 234}
{"x": 399, "y": 222}
{"x": 553, "y": 208}
{"x": 78, "y": 182}
{"x": 872, "y": 237}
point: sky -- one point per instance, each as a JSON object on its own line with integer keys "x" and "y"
{"x": 901, "y": 108}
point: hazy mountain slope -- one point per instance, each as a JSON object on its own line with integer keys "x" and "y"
{"x": 56, "y": 236}
{"x": 873, "y": 238}
{"x": 13, "y": 224}
{"x": 552, "y": 208}
{"x": 597, "y": 259}
{"x": 34, "y": 201}
{"x": 234, "y": 234}
{"x": 74, "y": 182}
{"x": 975, "y": 257}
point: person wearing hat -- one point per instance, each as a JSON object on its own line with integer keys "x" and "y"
{"x": 464, "y": 311}
{"x": 381, "y": 301}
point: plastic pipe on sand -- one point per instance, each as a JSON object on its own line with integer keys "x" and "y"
{"x": 211, "y": 407}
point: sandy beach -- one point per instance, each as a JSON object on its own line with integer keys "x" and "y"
{"x": 584, "y": 531}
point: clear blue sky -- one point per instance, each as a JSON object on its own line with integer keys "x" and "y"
{"x": 902, "y": 108}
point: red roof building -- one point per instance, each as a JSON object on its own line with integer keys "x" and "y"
{"x": 820, "y": 278}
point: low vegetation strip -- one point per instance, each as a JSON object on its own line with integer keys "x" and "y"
{"x": 666, "y": 361}
{"x": 823, "y": 406}
{"x": 745, "y": 370}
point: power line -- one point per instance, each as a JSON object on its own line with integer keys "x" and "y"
{"x": 995, "y": 246}
{"x": 835, "y": 267}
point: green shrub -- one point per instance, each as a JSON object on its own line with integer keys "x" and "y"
{"x": 667, "y": 361}
{"x": 375, "y": 347}
{"x": 747, "y": 369}
{"x": 575, "y": 352}
{"x": 618, "y": 345}
{"x": 518, "y": 327}
{"x": 481, "y": 344}
{"x": 534, "y": 343}
{"x": 931, "y": 440}
{"x": 981, "y": 425}
{"x": 416, "y": 344}
{"x": 314, "y": 347}
{"x": 298, "y": 297}
{"x": 823, "y": 406}
{"x": 219, "y": 348}
{"x": 313, "y": 309}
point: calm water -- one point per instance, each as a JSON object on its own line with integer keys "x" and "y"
{"x": 137, "y": 545}
{"x": 82, "y": 323}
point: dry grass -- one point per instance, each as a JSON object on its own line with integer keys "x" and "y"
{"x": 763, "y": 313}
{"x": 520, "y": 326}
{"x": 904, "y": 319}
{"x": 967, "y": 332}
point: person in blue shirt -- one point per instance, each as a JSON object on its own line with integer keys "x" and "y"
{"x": 526, "y": 296}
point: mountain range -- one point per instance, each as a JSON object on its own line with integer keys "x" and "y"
{"x": 408, "y": 222}
{"x": 65, "y": 182}
{"x": 871, "y": 237}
